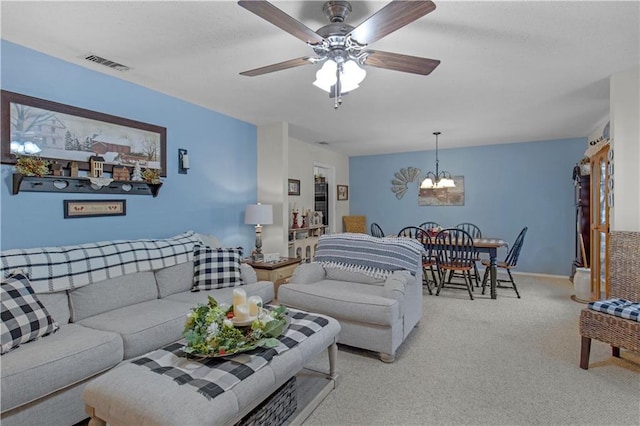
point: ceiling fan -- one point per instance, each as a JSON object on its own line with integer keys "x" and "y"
{"x": 343, "y": 47}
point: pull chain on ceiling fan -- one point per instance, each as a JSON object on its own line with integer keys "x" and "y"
{"x": 342, "y": 47}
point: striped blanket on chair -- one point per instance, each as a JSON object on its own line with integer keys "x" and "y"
{"x": 375, "y": 257}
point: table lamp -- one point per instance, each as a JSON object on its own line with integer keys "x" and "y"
{"x": 258, "y": 215}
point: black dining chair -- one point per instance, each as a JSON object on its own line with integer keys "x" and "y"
{"x": 455, "y": 252}
{"x": 475, "y": 232}
{"x": 508, "y": 264}
{"x": 376, "y": 230}
{"x": 429, "y": 225}
{"x": 428, "y": 260}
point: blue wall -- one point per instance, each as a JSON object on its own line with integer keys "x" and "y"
{"x": 210, "y": 199}
{"x": 507, "y": 187}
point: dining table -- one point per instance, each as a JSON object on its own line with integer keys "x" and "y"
{"x": 491, "y": 246}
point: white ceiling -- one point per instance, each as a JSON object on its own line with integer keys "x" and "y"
{"x": 510, "y": 71}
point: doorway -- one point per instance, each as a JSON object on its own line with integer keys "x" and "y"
{"x": 324, "y": 176}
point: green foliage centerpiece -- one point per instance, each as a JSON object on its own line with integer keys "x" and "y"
{"x": 210, "y": 331}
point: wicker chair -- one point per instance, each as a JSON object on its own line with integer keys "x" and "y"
{"x": 357, "y": 224}
{"x": 624, "y": 282}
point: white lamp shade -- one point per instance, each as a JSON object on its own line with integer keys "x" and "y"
{"x": 258, "y": 214}
{"x": 446, "y": 183}
{"x": 427, "y": 183}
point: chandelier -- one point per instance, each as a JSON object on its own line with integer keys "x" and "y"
{"x": 439, "y": 179}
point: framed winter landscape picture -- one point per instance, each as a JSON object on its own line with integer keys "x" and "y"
{"x": 63, "y": 133}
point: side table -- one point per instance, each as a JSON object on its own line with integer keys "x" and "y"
{"x": 277, "y": 272}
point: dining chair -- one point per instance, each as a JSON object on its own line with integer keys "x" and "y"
{"x": 475, "y": 232}
{"x": 376, "y": 230}
{"x": 508, "y": 264}
{"x": 455, "y": 252}
{"x": 428, "y": 259}
{"x": 429, "y": 225}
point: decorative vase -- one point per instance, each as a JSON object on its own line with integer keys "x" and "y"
{"x": 295, "y": 221}
{"x": 582, "y": 285}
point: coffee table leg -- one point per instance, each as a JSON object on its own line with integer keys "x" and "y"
{"x": 333, "y": 359}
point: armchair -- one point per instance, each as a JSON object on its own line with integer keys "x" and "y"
{"x": 377, "y": 299}
{"x": 624, "y": 283}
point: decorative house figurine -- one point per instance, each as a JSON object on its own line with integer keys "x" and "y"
{"x": 121, "y": 173}
{"x": 96, "y": 164}
{"x": 73, "y": 169}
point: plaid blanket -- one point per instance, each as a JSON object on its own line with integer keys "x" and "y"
{"x": 67, "y": 267}
{"x": 618, "y": 307}
{"x": 376, "y": 257}
{"x": 212, "y": 376}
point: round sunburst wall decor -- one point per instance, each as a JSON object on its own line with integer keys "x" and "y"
{"x": 401, "y": 178}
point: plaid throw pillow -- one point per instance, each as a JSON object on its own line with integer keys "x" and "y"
{"x": 215, "y": 268}
{"x": 24, "y": 317}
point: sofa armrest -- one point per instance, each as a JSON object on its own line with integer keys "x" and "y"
{"x": 395, "y": 285}
{"x": 248, "y": 274}
{"x": 308, "y": 273}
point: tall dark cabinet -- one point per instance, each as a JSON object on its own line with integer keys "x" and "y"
{"x": 321, "y": 203}
{"x": 583, "y": 218}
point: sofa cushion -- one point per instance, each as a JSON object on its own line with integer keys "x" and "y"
{"x": 340, "y": 274}
{"x": 174, "y": 279}
{"x": 24, "y": 318}
{"x": 57, "y": 304}
{"x": 619, "y": 307}
{"x": 343, "y": 300}
{"x": 114, "y": 293}
{"x": 215, "y": 268}
{"x": 144, "y": 326}
{"x": 264, "y": 289}
{"x": 44, "y": 366}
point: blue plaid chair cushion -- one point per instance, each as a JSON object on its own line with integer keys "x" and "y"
{"x": 24, "y": 317}
{"x": 618, "y": 307}
{"x": 215, "y": 268}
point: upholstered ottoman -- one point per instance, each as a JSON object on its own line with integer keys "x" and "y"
{"x": 164, "y": 387}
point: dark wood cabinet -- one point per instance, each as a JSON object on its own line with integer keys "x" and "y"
{"x": 583, "y": 219}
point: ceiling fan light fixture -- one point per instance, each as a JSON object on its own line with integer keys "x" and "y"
{"x": 350, "y": 77}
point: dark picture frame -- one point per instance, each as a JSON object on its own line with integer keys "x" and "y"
{"x": 66, "y": 133}
{"x": 74, "y": 209}
{"x": 343, "y": 192}
{"x": 294, "y": 186}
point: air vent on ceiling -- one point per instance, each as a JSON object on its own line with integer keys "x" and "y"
{"x": 106, "y": 62}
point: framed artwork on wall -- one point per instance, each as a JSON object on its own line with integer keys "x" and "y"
{"x": 343, "y": 192}
{"x": 94, "y": 208}
{"x": 443, "y": 196}
{"x": 63, "y": 133}
{"x": 294, "y": 186}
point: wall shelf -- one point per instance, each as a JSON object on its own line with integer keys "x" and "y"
{"x": 23, "y": 183}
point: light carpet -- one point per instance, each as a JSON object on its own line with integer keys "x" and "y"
{"x": 488, "y": 362}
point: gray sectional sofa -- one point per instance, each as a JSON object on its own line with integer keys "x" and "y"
{"x": 101, "y": 324}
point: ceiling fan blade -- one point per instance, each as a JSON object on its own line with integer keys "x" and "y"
{"x": 398, "y": 62}
{"x": 305, "y": 60}
{"x": 393, "y": 16}
{"x": 277, "y": 17}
